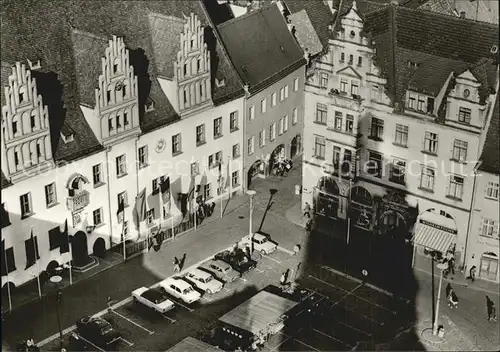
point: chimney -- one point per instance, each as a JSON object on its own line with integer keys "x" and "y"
{"x": 462, "y": 14}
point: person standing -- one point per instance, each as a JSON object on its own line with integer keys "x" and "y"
{"x": 473, "y": 273}
{"x": 307, "y": 210}
{"x": 177, "y": 265}
{"x": 490, "y": 306}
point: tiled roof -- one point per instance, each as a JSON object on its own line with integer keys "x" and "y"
{"x": 269, "y": 46}
{"x": 490, "y": 156}
{"x": 4, "y": 182}
{"x": 484, "y": 10}
{"x": 318, "y": 13}
{"x": 304, "y": 32}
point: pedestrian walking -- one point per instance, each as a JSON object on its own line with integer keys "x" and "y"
{"x": 492, "y": 311}
{"x": 448, "y": 289}
{"x": 177, "y": 265}
{"x": 307, "y": 210}
{"x": 472, "y": 273}
{"x": 283, "y": 279}
{"x": 452, "y": 299}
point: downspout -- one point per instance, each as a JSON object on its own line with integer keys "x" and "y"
{"x": 109, "y": 199}
{"x": 469, "y": 223}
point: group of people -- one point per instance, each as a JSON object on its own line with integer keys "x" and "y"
{"x": 204, "y": 210}
{"x": 179, "y": 263}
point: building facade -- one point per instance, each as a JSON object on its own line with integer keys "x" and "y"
{"x": 392, "y": 130}
{"x": 114, "y": 127}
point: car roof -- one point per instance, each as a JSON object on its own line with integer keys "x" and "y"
{"x": 200, "y": 273}
{"x": 178, "y": 282}
{"x": 220, "y": 263}
{"x": 259, "y": 236}
{"x": 152, "y": 293}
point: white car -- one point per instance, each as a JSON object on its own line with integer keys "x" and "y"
{"x": 180, "y": 289}
{"x": 261, "y": 243}
{"x": 154, "y": 298}
{"x": 204, "y": 281}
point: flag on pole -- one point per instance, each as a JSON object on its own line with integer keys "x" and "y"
{"x": 32, "y": 254}
{"x": 165, "y": 193}
{"x": 64, "y": 239}
{"x": 139, "y": 211}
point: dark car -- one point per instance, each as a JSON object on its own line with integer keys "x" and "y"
{"x": 238, "y": 260}
{"x": 98, "y": 331}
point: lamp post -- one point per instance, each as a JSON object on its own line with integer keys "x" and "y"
{"x": 57, "y": 280}
{"x": 251, "y": 194}
{"x": 442, "y": 267}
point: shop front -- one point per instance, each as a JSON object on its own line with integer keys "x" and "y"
{"x": 327, "y": 198}
{"x": 361, "y": 208}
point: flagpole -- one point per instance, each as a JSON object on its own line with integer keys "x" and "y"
{"x": 8, "y": 279}
{"x": 229, "y": 177}
{"x": 221, "y": 192}
{"x": 171, "y": 216}
{"x": 37, "y": 264}
{"x": 70, "y": 266}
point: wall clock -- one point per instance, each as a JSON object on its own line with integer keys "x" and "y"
{"x": 160, "y": 145}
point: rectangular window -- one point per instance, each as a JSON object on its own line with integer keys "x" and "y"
{"x": 336, "y": 157}
{"x": 236, "y": 151}
{"x": 411, "y": 102}
{"x": 208, "y": 191}
{"x": 195, "y": 168}
{"x": 123, "y": 197}
{"x": 273, "y": 99}
{"x": 349, "y": 124}
{"x": 351, "y": 59}
{"x": 431, "y": 142}
{"x": 354, "y": 87}
{"x": 295, "y": 117}
{"x": 421, "y": 104}
{"x": 118, "y": 125}
{"x": 218, "y": 127}
{"x": 427, "y": 178}
{"x": 251, "y": 112}
{"x": 176, "y": 144}
{"x": 321, "y": 112}
{"x": 285, "y": 123}
{"x": 97, "y": 174}
{"x": 347, "y": 163}
{"x": 360, "y": 61}
{"x": 150, "y": 216}
{"x": 263, "y": 105}
{"x": 125, "y": 119}
{"x": 295, "y": 84}
{"x": 401, "y": 136}
{"x": 25, "y": 201}
{"x": 121, "y": 168}
{"x": 456, "y": 187}
{"x": 110, "y": 124}
{"x": 16, "y": 158}
{"x": 97, "y": 215}
{"x": 375, "y": 164}
{"x": 50, "y": 194}
{"x": 286, "y": 91}
{"x": 343, "y": 86}
{"x": 200, "y": 134}
{"x": 32, "y": 122}
{"x": 54, "y": 235}
{"x": 262, "y": 138}
{"x": 488, "y": 228}
{"x": 281, "y": 127}
{"x": 272, "y": 132}
{"x": 250, "y": 145}
{"x": 398, "y": 171}
{"x": 14, "y": 127}
{"x": 38, "y": 150}
{"x": 143, "y": 156}
{"x": 464, "y": 115}
{"x": 342, "y": 57}
{"x": 338, "y": 120}
{"x": 459, "y": 150}
{"x": 430, "y": 105}
{"x": 377, "y": 128}
{"x": 235, "y": 179}
{"x": 492, "y": 191}
{"x": 214, "y": 160}
{"x": 319, "y": 147}
{"x": 282, "y": 93}
{"x": 324, "y": 80}
{"x": 233, "y": 121}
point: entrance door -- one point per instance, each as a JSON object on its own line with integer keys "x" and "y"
{"x": 79, "y": 249}
{"x": 99, "y": 247}
{"x": 489, "y": 267}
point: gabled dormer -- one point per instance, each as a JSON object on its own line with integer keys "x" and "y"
{"x": 463, "y": 101}
{"x": 352, "y": 27}
{"x": 26, "y": 144}
{"x": 117, "y": 102}
{"x": 192, "y": 70}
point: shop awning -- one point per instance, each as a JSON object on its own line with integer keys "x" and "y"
{"x": 433, "y": 237}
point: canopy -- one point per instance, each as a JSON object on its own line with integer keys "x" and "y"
{"x": 258, "y": 312}
{"x": 433, "y": 237}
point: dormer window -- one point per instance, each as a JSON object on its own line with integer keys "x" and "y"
{"x": 412, "y": 64}
{"x": 464, "y": 115}
{"x": 150, "y": 105}
{"x": 466, "y": 93}
{"x": 67, "y": 138}
{"x": 35, "y": 65}
{"x": 220, "y": 82}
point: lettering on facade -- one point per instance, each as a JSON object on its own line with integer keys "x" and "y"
{"x": 439, "y": 227}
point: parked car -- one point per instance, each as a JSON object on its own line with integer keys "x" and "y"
{"x": 261, "y": 243}
{"x": 98, "y": 331}
{"x": 204, "y": 281}
{"x": 180, "y": 289}
{"x": 238, "y": 260}
{"x": 153, "y": 298}
{"x": 222, "y": 270}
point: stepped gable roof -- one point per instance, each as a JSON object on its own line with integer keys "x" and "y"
{"x": 490, "y": 156}
{"x": 305, "y": 32}
{"x": 319, "y": 14}
{"x": 430, "y": 40}
{"x": 270, "y": 49}
{"x": 6, "y": 71}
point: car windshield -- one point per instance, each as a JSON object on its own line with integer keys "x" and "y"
{"x": 106, "y": 330}
{"x": 208, "y": 279}
{"x": 187, "y": 290}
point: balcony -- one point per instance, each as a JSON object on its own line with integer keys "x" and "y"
{"x": 78, "y": 202}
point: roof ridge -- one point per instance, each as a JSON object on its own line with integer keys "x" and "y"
{"x": 75, "y": 30}
{"x": 451, "y": 18}
{"x": 246, "y": 15}
{"x": 166, "y": 17}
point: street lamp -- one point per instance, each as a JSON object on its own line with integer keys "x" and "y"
{"x": 56, "y": 279}
{"x": 442, "y": 267}
{"x": 251, "y": 193}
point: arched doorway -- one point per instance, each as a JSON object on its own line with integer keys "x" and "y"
{"x": 489, "y": 266}
{"x": 327, "y": 198}
{"x": 277, "y": 155}
{"x": 99, "y": 248}
{"x": 8, "y": 286}
{"x": 361, "y": 207}
{"x": 393, "y": 224}
{"x": 295, "y": 145}
{"x": 52, "y": 266}
{"x": 79, "y": 249}
{"x": 257, "y": 169}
